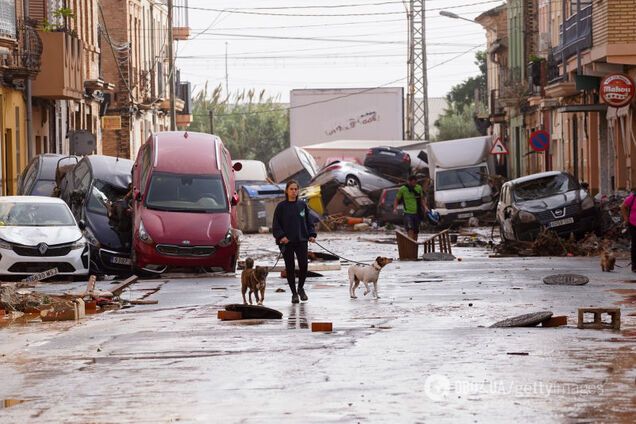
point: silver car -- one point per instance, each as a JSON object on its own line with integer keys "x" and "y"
{"x": 351, "y": 174}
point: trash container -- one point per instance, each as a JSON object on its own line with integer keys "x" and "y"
{"x": 312, "y": 196}
{"x": 256, "y": 206}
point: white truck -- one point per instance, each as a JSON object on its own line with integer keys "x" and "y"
{"x": 460, "y": 170}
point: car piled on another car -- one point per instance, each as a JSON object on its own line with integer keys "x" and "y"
{"x": 389, "y": 161}
{"x": 38, "y": 234}
{"x": 95, "y": 189}
{"x": 549, "y": 200}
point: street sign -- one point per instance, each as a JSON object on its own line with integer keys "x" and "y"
{"x": 111, "y": 122}
{"x": 540, "y": 140}
{"x": 498, "y": 148}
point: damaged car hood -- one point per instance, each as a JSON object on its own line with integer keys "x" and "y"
{"x": 177, "y": 227}
{"x": 551, "y": 202}
{"x": 32, "y": 236}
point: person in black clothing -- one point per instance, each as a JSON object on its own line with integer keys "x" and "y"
{"x": 292, "y": 229}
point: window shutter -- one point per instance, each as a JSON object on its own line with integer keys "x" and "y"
{"x": 37, "y": 10}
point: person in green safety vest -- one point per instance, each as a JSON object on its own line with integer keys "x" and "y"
{"x": 414, "y": 199}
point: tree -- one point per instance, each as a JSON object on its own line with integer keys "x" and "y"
{"x": 457, "y": 121}
{"x": 251, "y": 126}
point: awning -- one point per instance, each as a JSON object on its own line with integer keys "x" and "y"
{"x": 582, "y": 108}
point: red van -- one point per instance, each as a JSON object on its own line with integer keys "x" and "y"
{"x": 184, "y": 203}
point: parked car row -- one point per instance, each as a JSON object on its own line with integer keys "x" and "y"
{"x": 174, "y": 206}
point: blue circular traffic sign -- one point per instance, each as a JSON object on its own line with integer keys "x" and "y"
{"x": 540, "y": 140}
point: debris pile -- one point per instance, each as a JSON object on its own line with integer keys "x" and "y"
{"x": 548, "y": 243}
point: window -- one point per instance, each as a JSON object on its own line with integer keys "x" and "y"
{"x": 103, "y": 195}
{"x": 145, "y": 168}
{"x": 462, "y": 178}
{"x": 186, "y": 193}
{"x": 81, "y": 175}
{"x": 7, "y": 19}
{"x": 545, "y": 187}
{"x": 35, "y": 215}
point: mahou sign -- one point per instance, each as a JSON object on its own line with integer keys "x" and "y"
{"x": 617, "y": 90}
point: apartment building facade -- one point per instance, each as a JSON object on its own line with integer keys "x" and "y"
{"x": 135, "y": 50}
{"x": 20, "y": 61}
{"x": 565, "y": 53}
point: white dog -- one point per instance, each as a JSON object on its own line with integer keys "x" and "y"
{"x": 367, "y": 274}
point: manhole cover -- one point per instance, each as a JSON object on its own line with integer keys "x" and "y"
{"x": 566, "y": 280}
{"x": 527, "y": 320}
{"x": 437, "y": 256}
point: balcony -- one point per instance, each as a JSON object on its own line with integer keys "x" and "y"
{"x": 558, "y": 84}
{"x": 26, "y": 53}
{"x": 184, "y": 93}
{"x": 61, "y": 76}
{"x": 180, "y": 22}
{"x": 576, "y": 37}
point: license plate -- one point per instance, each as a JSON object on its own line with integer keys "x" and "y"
{"x": 41, "y": 276}
{"x": 560, "y": 222}
{"x": 465, "y": 215}
{"x": 121, "y": 261}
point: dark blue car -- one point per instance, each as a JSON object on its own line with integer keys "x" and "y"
{"x": 91, "y": 190}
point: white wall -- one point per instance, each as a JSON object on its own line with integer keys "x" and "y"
{"x": 321, "y": 115}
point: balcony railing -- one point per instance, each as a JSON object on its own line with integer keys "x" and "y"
{"x": 577, "y": 35}
{"x": 25, "y": 62}
{"x": 180, "y": 21}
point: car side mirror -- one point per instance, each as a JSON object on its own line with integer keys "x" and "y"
{"x": 81, "y": 224}
{"x": 235, "y": 199}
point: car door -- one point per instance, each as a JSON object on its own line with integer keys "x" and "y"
{"x": 76, "y": 190}
{"x": 504, "y": 213}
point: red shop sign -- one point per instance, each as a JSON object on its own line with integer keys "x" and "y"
{"x": 617, "y": 90}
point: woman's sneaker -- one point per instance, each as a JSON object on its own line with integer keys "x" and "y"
{"x": 303, "y": 295}
{"x": 295, "y": 298}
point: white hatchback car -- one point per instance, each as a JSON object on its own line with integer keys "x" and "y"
{"x": 38, "y": 234}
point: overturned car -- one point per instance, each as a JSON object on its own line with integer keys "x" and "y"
{"x": 552, "y": 200}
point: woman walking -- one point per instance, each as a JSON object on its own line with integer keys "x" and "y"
{"x": 292, "y": 229}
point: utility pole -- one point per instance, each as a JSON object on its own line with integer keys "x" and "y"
{"x": 28, "y": 94}
{"x": 417, "y": 112}
{"x": 173, "y": 113}
{"x": 211, "y": 117}
{"x": 227, "y": 85}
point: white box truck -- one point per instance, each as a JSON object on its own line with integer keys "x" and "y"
{"x": 460, "y": 170}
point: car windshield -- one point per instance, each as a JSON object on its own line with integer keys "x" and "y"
{"x": 102, "y": 195}
{"x": 43, "y": 188}
{"x": 187, "y": 193}
{"x": 461, "y": 178}
{"x": 35, "y": 215}
{"x": 544, "y": 187}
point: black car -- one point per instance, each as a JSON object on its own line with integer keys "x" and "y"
{"x": 389, "y": 161}
{"x": 38, "y": 178}
{"x": 549, "y": 200}
{"x": 90, "y": 189}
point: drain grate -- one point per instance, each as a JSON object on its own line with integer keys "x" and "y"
{"x": 566, "y": 280}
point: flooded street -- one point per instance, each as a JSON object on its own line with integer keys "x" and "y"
{"x": 423, "y": 352}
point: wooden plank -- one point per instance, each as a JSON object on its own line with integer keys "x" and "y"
{"x": 124, "y": 284}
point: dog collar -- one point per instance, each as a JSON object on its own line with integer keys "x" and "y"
{"x": 378, "y": 268}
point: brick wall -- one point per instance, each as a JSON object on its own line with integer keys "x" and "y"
{"x": 613, "y": 21}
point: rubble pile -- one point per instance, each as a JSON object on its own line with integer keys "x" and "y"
{"x": 16, "y": 299}
{"x": 549, "y": 243}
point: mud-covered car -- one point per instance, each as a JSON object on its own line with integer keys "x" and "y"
{"x": 554, "y": 200}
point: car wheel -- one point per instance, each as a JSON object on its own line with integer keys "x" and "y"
{"x": 352, "y": 181}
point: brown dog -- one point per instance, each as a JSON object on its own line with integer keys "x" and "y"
{"x": 608, "y": 260}
{"x": 254, "y": 279}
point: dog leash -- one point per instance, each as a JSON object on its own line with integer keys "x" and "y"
{"x": 341, "y": 257}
